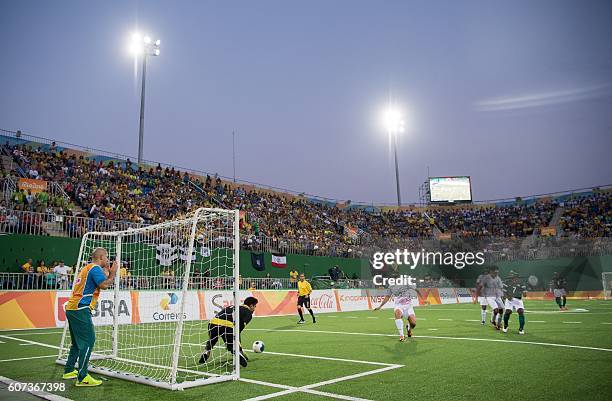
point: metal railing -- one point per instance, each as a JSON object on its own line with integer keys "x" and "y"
{"x": 34, "y": 223}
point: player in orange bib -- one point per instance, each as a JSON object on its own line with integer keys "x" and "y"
{"x": 90, "y": 280}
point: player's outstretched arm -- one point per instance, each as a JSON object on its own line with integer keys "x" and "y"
{"x": 385, "y": 300}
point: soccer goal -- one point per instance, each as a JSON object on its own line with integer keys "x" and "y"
{"x": 606, "y": 278}
{"x": 150, "y": 325}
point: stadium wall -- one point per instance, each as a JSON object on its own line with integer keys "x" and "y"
{"x": 15, "y": 249}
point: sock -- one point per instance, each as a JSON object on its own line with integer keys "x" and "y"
{"x": 564, "y": 300}
{"x": 301, "y": 314}
{"x": 311, "y": 314}
{"x": 494, "y": 317}
{"x": 506, "y": 318}
{"x": 499, "y": 318}
{"x": 521, "y": 321}
{"x": 558, "y": 301}
{"x": 483, "y": 314}
{"x": 399, "y": 323}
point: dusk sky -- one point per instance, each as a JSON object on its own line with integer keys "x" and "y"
{"x": 516, "y": 94}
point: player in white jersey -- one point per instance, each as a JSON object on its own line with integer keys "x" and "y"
{"x": 496, "y": 291}
{"x": 480, "y": 297}
{"x": 402, "y": 299}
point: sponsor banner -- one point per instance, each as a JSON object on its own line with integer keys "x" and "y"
{"x": 322, "y": 301}
{"x": 429, "y": 296}
{"x": 353, "y": 300}
{"x": 165, "y": 306}
{"x": 35, "y": 186}
{"x": 464, "y": 295}
{"x": 26, "y": 309}
{"x": 447, "y": 295}
{"x": 103, "y": 313}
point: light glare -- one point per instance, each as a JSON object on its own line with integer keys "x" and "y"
{"x": 147, "y": 39}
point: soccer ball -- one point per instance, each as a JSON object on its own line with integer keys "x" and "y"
{"x": 258, "y": 346}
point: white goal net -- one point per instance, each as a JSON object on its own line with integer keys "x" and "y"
{"x": 150, "y": 325}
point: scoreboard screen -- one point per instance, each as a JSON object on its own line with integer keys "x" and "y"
{"x": 450, "y": 189}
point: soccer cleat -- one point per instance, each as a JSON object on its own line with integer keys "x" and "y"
{"x": 521, "y": 331}
{"x": 70, "y": 375}
{"x": 483, "y": 322}
{"x": 505, "y": 329}
{"x": 243, "y": 360}
{"x": 409, "y": 332}
{"x": 88, "y": 381}
{"x": 494, "y": 324}
{"x": 204, "y": 357}
{"x": 314, "y": 320}
{"x": 402, "y": 339}
{"x": 301, "y": 322}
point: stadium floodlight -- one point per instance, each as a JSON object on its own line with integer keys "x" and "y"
{"x": 395, "y": 125}
{"x": 145, "y": 46}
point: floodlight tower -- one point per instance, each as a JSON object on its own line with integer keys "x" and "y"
{"x": 395, "y": 125}
{"x": 145, "y": 46}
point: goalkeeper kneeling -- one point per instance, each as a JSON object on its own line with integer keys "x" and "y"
{"x": 222, "y": 325}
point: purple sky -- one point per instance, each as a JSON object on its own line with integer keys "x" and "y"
{"x": 517, "y": 94}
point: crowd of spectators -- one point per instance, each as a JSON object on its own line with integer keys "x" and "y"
{"x": 587, "y": 216}
{"x": 111, "y": 191}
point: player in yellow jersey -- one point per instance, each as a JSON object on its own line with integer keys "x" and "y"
{"x": 90, "y": 280}
{"x": 304, "y": 291}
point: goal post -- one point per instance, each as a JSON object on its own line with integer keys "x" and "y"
{"x": 150, "y": 325}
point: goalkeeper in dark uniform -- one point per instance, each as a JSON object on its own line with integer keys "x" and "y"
{"x": 559, "y": 289}
{"x": 222, "y": 325}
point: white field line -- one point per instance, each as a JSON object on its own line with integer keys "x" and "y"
{"x": 606, "y": 322}
{"x": 473, "y": 320}
{"x": 440, "y": 338}
{"x": 309, "y": 388}
{"x": 40, "y": 394}
{"x": 287, "y": 391}
{"x": 536, "y": 321}
{"x": 447, "y": 320}
{"x": 324, "y": 358}
{"x": 432, "y": 329}
{"x": 28, "y": 358}
{"x": 572, "y": 322}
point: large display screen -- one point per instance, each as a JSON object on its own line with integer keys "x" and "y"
{"x": 450, "y": 189}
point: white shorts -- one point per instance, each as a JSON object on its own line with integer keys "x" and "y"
{"x": 559, "y": 292}
{"x": 514, "y": 304}
{"x": 499, "y": 302}
{"x": 406, "y": 309}
{"x": 491, "y": 301}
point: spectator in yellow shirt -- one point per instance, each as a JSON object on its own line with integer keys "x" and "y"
{"x": 293, "y": 278}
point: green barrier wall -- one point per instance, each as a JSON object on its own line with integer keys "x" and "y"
{"x": 582, "y": 273}
{"x": 16, "y": 249}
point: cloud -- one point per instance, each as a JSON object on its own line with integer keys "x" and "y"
{"x": 544, "y": 99}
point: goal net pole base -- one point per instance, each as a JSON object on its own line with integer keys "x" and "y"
{"x": 156, "y": 383}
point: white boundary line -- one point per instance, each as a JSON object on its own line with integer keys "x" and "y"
{"x": 41, "y": 394}
{"x": 440, "y": 338}
{"x": 28, "y": 358}
{"x": 287, "y": 389}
